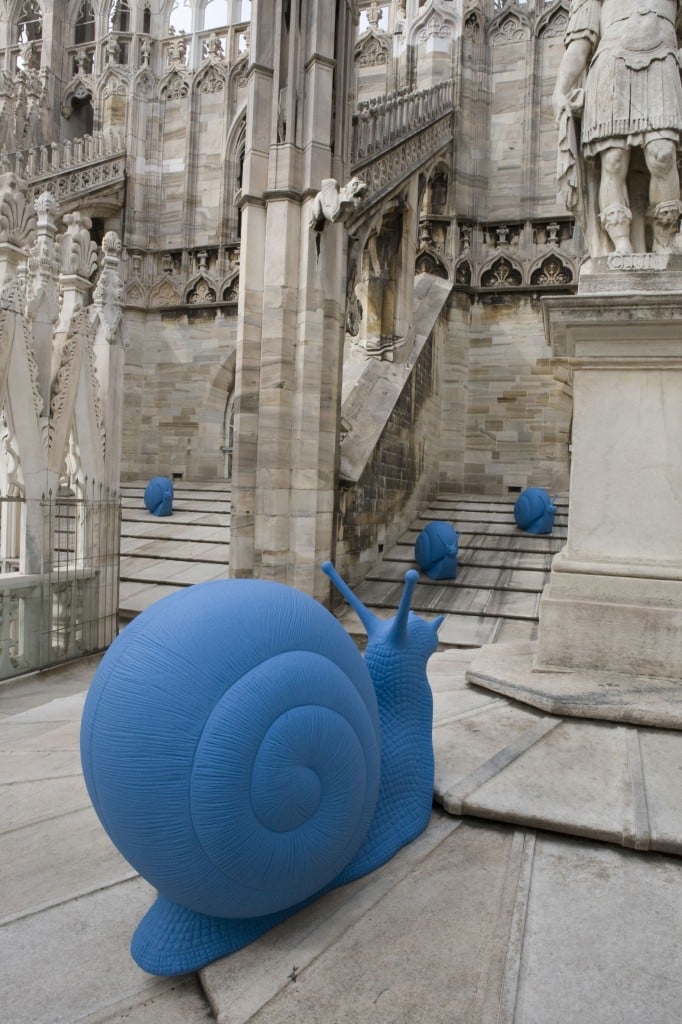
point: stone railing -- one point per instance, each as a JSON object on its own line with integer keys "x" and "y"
{"x": 383, "y": 121}
{"x": 65, "y": 156}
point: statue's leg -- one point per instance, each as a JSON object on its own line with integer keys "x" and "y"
{"x": 614, "y": 208}
{"x": 664, "y": 192}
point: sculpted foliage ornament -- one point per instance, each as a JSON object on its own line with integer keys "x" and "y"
{"x": 78, "y": 252}
{"x": 17, "y": 217}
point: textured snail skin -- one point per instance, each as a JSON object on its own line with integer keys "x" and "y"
{"x": 387, "y": 804}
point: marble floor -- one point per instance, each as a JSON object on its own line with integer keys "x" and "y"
{"x": 545, "y": 890}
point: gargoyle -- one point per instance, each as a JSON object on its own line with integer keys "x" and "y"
{"x": 333, "y": 203}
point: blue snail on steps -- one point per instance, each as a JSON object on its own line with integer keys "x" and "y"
{"x": 534, "y": 511}
{"x": 245, "y": 758}
{"x": 158, "y": 496}
{"x": 435, "y": 550}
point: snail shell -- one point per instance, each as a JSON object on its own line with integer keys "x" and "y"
{"x": 158, "y": 496}
{"x": 231, "y": 747}
{"x": 534, "y": 511}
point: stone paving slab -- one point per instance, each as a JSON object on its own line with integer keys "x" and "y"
{"x": 511, "y": 762}
{"x": 72, "y": 962}
{"x": 47, "y": 863}
{"x": 239, "y": 986}
{"x": 602, "y": 937}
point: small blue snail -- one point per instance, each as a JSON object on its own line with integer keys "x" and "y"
{"x": 245, "y": 758}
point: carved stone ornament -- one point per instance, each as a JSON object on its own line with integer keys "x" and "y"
{"x": 78, "y": 338}
{"x": 210, "y": 81}
{"x": 201, "y": 293}
{"x": 371, "y": 52}
{"x": 511, "y": 29}
{"x": 502, "y": 274}
{"x": 551, "y": 272}
{"x": 333, "y": 203}
{"x": 17, "y": 217}
{"x": 108, "y": 295}
{"x": 79, "y": 254}
{"x": 175, "y": 86}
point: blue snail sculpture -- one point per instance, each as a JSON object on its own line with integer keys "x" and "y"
{"x": 158, "y": 496}
{"x": 435, "y": 550}
{"x": 534, "y": 511}
{"x": 245, "y": 758}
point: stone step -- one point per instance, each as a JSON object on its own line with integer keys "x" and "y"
{"x": 161, "y": 555}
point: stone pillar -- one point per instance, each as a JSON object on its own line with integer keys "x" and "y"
{"x": 292, "y": 306}
{"x": 610, "y": 634}
{"x": 614, "y": 600}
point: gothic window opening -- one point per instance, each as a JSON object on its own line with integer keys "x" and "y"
{"x": 83, "y": 118}
{"x": 119, "y": 16}
{"x": 374, "y": 16}
{"x": 30, "y": 22}
{"x": 181, "y": 18}
{"x": 85, "y": 23}
{"x": 147, "y": 21}
{"x": 215, "y": 14}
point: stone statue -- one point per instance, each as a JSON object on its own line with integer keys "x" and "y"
{"x": 333, "y": 203}
{"x": 620, "y": 75}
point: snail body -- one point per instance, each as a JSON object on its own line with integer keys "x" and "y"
{"x": 245, "y": 758}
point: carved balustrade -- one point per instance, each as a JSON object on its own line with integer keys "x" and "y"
{"x": 383, "y": 121}
{"x": 73, "y": 168}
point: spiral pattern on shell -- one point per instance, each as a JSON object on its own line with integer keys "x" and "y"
{"x": 231, "y": 747}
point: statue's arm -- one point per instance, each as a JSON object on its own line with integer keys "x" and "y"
{"x": 573, "y": 64}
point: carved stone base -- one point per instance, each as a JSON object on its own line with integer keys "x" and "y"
{"x": 608, "y": 696}
{"x": 631, "y": 273}
{"x": 610, "y": 632}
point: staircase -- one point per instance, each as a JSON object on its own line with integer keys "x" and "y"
{"x": 500, "y": 578}
{"x": 162, "y": 555}
{"x": 495, "y": 597}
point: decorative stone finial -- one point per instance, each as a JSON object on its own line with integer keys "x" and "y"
{"x": 79, "y": 253}
{"x": 17, "y": 218}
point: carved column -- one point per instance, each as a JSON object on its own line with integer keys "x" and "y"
{"x": 106, "y": 314}
{"x": 288, "y": 367}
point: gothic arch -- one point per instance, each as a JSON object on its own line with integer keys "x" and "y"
{"x": 509, "y": 26}
{"x": 553, "y": 20}
{"x": 199, "y": 290}
{"x": 164, "y": 293}
{"x": 145, "y": 85}
{"x": 229, "y": 288}
{"x": 135, "y": 295}
{"x": 27, "y": 18}
{"x": 211, "y": 76}
{"x": 435, "y": 18}
{"x": 83, "y": 18}
{"x": 551, "y": 269}
{"x": 77, "y": 96}
{"x": 501, "y": 270}
{"x": 174, "y": 85}
{"x": 119, "y": 18}
{"x": 372, "y": 49}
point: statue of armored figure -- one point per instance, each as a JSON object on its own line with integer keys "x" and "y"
{"x": 618, "y": 103}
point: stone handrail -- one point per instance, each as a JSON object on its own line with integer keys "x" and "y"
{"x": 65, "y": 156}
{"x": 382, "y": 121}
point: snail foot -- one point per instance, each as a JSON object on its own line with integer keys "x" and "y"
{"x": 171, "y": 939}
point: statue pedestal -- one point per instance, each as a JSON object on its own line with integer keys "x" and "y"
{"x": 611, "y": 615}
